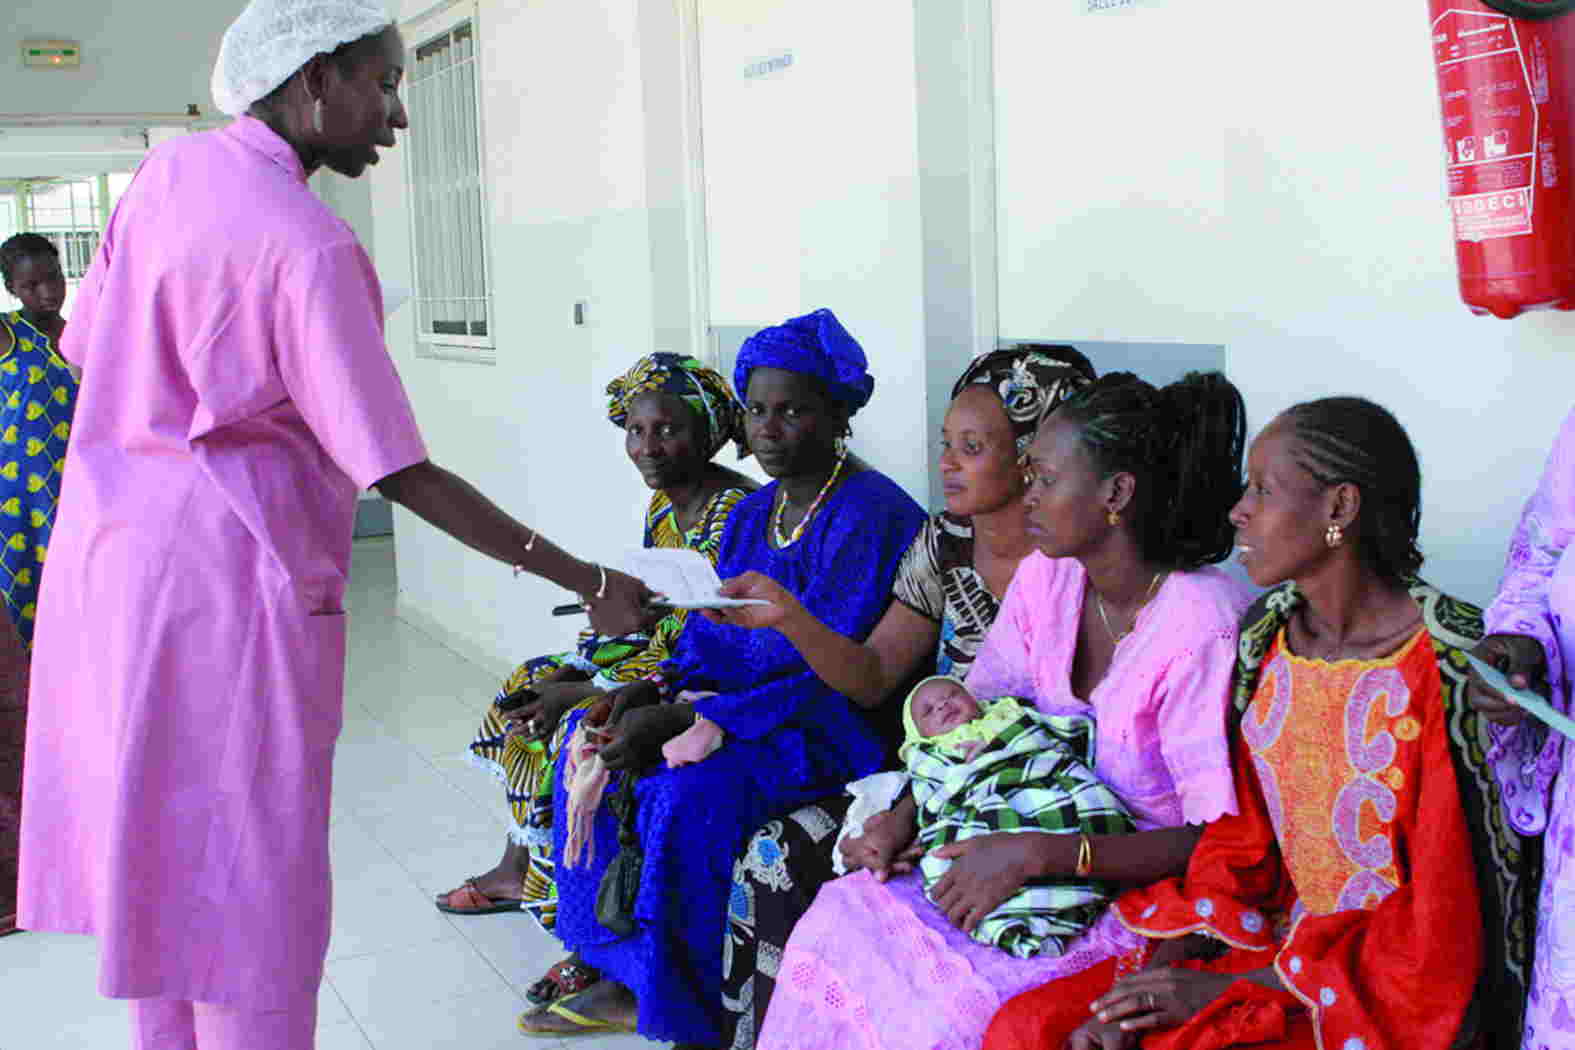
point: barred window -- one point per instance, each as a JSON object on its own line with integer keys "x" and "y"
{"x": 448, "y": 205}
{"x": 70, "y": 212}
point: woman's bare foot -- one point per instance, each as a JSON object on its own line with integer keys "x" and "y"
{"x": 498, "y": 889}
{"x": 605, "y": 1006}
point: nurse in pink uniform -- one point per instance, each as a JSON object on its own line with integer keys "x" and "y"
{"x": 189, "y": 658}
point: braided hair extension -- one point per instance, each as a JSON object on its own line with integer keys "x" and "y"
{"x": 1351, "y": 440}
{"x": 23, "y": 246}
{"x": 1183, "y": 444}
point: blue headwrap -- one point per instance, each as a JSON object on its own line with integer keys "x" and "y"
{"x": 813, "y": 345}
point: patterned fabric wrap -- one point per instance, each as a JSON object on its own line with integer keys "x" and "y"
{"x": 937, "y": 580}
{"x": 701, "y": 388}
{"x": 1033, "y": 775}
{"x": 38, "y": 396}
{"x": 1030, "y": 383}
{"x": 526, "y": 773}
{"x": 814, "y": 345}
{"x": 1508, "y": 866}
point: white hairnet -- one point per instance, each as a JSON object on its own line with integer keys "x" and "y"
{"x": 274, "y": 38}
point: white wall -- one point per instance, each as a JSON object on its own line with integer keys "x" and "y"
{"x": 562, "y": 114}
{"x": 812, "y": 192}
{"x": 135, "y": 57}
{"x": 1181, "y": 171}
{"x": 811, "y": 198}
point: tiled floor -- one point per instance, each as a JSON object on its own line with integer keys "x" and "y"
{"x": 411, "y": 819}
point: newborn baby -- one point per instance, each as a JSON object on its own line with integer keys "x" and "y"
{"x": 1001, "y": 766}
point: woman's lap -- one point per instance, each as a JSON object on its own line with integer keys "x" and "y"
{"x": 876, "y": 965}
{"x": 692, "y": 821}
{"x": 1247, "y": 1015}
{"x": 775, "y": 879}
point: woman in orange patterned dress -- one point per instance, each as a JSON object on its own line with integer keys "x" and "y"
{"x": 1370, "y": 894}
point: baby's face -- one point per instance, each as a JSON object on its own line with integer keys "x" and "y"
{"x": 940, "y": 707}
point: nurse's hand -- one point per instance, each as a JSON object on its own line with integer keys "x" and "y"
{"x": 1523, "y": 663}
{"x": 625, "y": 606}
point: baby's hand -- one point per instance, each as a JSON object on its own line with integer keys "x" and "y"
{"x": 693, "y": 744}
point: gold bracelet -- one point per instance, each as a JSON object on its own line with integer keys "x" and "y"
{"x": 1085, "y": 856}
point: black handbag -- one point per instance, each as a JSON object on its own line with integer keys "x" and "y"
{"x": 620, "y": 883}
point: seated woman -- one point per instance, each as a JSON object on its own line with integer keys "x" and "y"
{"x": 1369, "y": 892}
{"x": 831, "y": 531}
{"x": 676, "y": 415}
{"x": 38, "y": 396}
{"x": 1117, "y": 615}
{"x": 946, "y": 596}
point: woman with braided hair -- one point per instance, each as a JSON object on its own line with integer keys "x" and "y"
{"x": 1119, "y": 615}
{"x": 1369, "y": 892}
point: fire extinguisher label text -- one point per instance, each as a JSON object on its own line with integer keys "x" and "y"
{"x": 1491, "y": 117}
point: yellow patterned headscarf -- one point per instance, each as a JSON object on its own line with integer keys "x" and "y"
{"x": 702, "y": 389}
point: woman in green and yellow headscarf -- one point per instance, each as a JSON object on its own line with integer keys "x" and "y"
{"x": 676, "y": 415}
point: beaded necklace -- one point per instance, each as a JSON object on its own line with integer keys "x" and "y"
{"x": 798, "y": 530}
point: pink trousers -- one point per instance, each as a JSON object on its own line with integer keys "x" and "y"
{"x": 180, "y": 1024}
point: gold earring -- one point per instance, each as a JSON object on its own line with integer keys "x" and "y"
{"x": 1334, "y": 535}
{"x": 1113, "y": 518}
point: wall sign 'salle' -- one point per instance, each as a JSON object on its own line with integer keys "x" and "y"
{"x": 1102, "y": 7}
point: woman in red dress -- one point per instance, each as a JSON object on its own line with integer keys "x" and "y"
{"x": 1370, "y": 894}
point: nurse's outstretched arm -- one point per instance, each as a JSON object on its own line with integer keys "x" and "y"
{"x": 449, "y": 502}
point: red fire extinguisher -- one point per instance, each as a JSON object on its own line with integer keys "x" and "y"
{"x": 1506, "y": 80}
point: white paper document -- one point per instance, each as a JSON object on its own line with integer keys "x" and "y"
{"x": 1533, "y": 704}
{"x": 683, "y": 577}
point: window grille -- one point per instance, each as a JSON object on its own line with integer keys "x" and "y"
{"x": 70, "y": 213}
{"x": 453, "y": 304}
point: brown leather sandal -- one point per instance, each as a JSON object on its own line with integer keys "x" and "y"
{"x": 568, "y": 977}
{"x": 468, "y": 900}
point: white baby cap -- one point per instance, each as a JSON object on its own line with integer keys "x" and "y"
{"x": 273, "y": 38}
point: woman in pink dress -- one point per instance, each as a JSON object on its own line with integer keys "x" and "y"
{"x": 237, "y": 394}
{"x": 1532, "y": 636}
{"x": 1119, "y": 614}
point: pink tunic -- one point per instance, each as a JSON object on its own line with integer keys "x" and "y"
{"x": 1537, "y": 598}
{"x": 876, "y": 966}
{"x": 189, "y": 665}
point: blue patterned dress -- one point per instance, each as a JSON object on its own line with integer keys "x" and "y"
{"x": 38, "y": 395}
{"x": 790, "y": 739}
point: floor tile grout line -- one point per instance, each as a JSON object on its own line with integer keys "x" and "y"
{"x": 367, "y": 1039}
